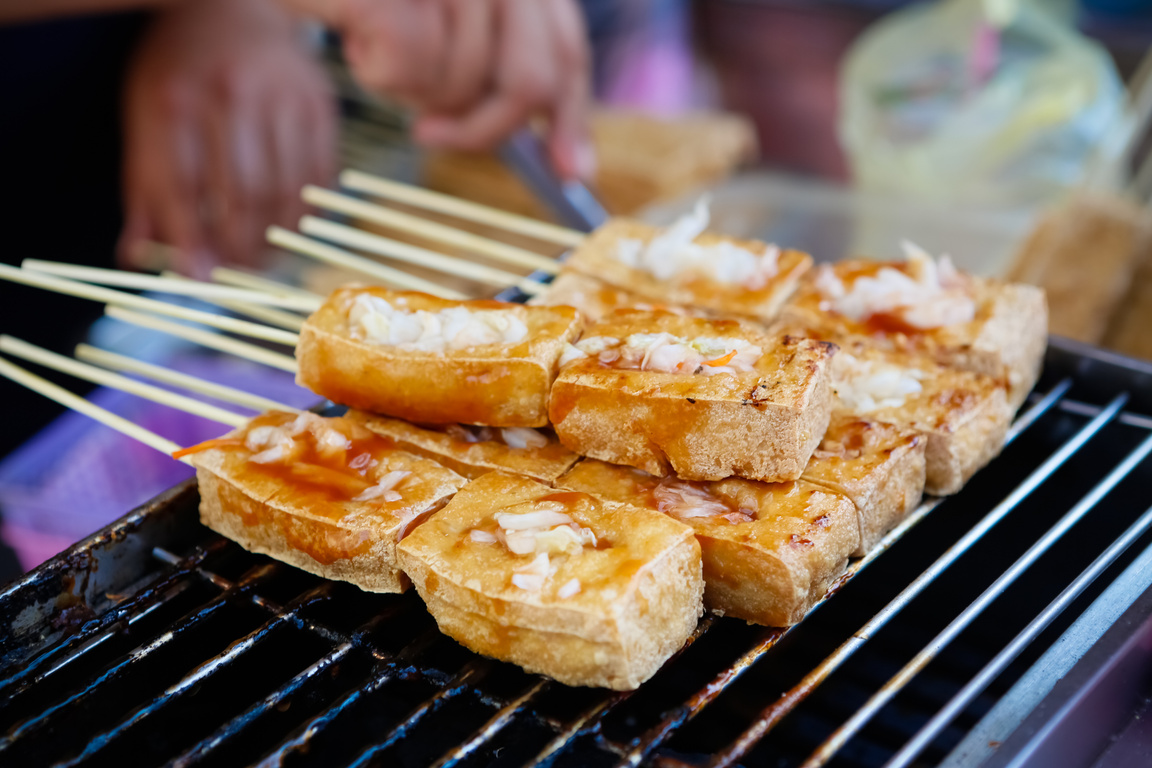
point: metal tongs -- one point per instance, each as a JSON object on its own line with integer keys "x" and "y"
{"x": 571, "y": 202}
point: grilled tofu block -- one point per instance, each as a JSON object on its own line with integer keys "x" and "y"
{"x": 586, "y": 591}
{"x": 595, "y": 298}
{"x": 323, "y": 494}
{"x": 879, "y": 466}
{"x": 703, "y": 398}
{"x": 963, "y": 415}
{"x": 431, "y": 360}
{"x": 675, "y": 266}
{"x": 473, "y": 451}
{"x": 771, "y": 550}
{"x": 970, "y": 323}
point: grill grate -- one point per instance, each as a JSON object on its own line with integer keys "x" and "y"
{"x": 159, "y": 642}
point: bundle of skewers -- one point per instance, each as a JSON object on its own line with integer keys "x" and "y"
{"x": 678, "y": 420}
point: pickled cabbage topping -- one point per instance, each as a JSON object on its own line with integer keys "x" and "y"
{"x": 271, "y": 444}
{"x": 667, "y": 353}
{"x": 542, "y": 528}
{"x": 375, "y": 321}
{"x": 868, "y": 385}
{"x": 685, "y": 502}
{"x": 518, "y": 438}
{"x": 384, "y": 488}
{"x": 531, "y": 576}
{"x": 675, "y": 254}
{"x": 926, "y": 294}
{"x": 570, "y": 589}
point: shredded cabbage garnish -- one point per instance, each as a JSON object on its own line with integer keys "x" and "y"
{"x": 869, "y": 385}
{"x": 674, "y": 253}
{"x": 929, "y": 295}
{"x": 667, "y": 353}
{"x": 374, "y": 320}
{"x": 685, "y": 502}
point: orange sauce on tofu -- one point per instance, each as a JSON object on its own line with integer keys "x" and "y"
{"x": 321, "y": 482}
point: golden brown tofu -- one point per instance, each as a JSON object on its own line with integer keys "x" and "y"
{"x": 963, "y": 415}
{"x": 756, "y": 294}
{"x": 322, "y": 494}
{"x": 705, "y": 399}
{"x": 595, "y": 299}
{"x": 965, "y": 322}
{"x": 586, "y": 591}
{"x": 431, "y": 360}
{"x": 771, "y": 550}
{"x": 473, "y": 451}
{"x": 879, "y": 466}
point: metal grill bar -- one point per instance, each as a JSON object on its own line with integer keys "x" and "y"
{"x": 326, "y": 666}
{"x": 43, "y": 720}
{"x": 472, "y": 672}
{"x": 966, "y": 694}
{"x": 889, "y": 690}
{"x": 186, "y": 685}
{"x": 1089, "y": 410}
{"x": 100, "y": 630}
{"x": 392, "y": 667}
{"x": 772, "y": 714}
{"x": 492, "y": 727}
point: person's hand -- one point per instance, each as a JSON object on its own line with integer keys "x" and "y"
{"x": 226, "y": 117}
{"x": 474, "y": 70}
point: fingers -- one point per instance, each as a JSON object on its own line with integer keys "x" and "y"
{"x": 539, "y": 66}
{"x": 569, "y": 139}
{"x": 470, "y": 48}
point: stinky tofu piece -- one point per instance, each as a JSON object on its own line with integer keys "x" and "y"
{"x": 322, "y": 494}
{"x": 472, "y": 451}
{"x": 963, "y": 415}
{"x": 771, "y": 550}
{"x": 586, "y": 591}
{"x": 683, "y": 265}
{"x": 703, "y": 398}
{"x": 881, "y": 467}
{"x": 974, "y": 324}
{"x": 436, "y": 361}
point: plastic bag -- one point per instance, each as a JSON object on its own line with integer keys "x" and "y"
{"x": 978, "y": 102}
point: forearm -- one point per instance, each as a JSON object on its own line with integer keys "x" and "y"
{"x": 33, "y": 10}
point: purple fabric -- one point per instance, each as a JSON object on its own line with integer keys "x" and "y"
{"x": 76, "y": 475}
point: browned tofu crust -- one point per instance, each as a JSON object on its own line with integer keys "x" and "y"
{"x": 1005, "y": 340}
{"x": 963, "y": 415}
{"x": 881, "y": 467}
{"x": 316, "y": 526}
{"x": 768, "y": 563}
{"x": 497, "y": 384}
{"x": 639, "y": 588}
{"x": 596, "y": 257}
{"x": 761, "y": 424}
{"x": 471, "y": 457}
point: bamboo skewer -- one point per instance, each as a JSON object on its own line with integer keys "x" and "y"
{"x": 119, "y": 298}
{"x": 394, "y": 249}
{"x": 240, "y": 279}
{"x": 166, "y": 284}
{"x": 268, "y": 315}
{"x": 41, "y": 356}
{"x": 442, "y": 233}
{"x": 204, "y": 338}
{"x": 113, "y": 361}
{"x": 341, "y": 258}
{"x": 75, "y": 402}
{"x": 463, "y": 209}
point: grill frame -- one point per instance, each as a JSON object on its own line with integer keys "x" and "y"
{"x": 63, "y": 611}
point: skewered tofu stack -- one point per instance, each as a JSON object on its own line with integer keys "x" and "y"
{"x": 728, "y": 428}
